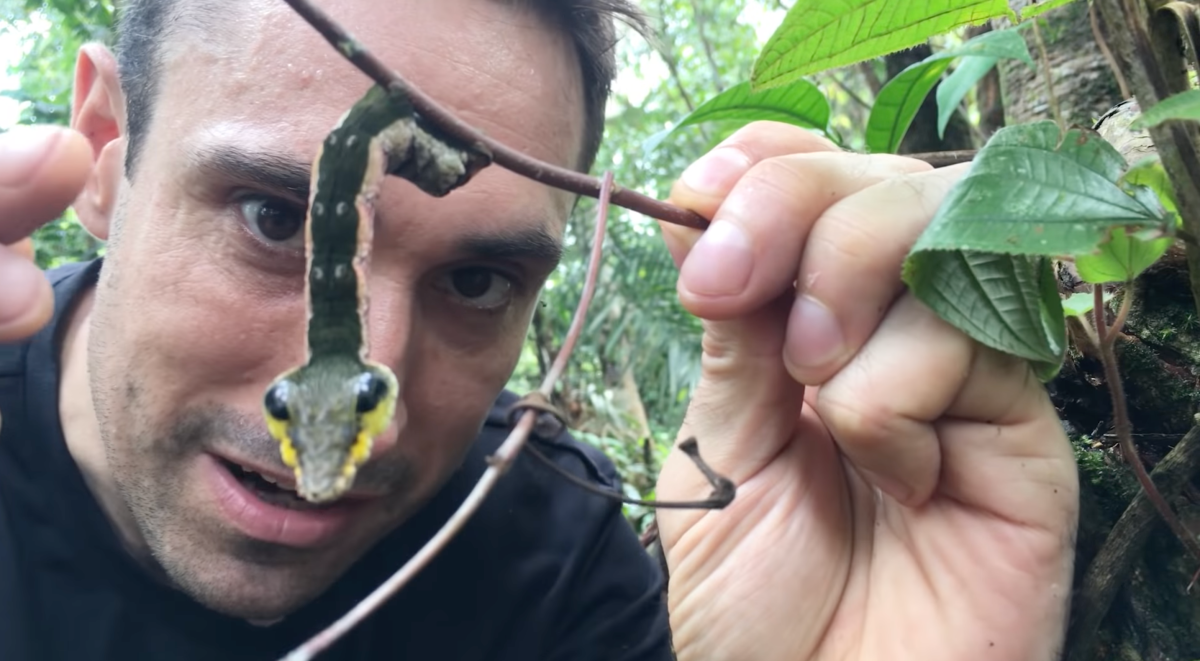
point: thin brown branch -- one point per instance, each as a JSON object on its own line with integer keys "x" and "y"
{"x": 498, "y": 464}
{"x": 941, "y": 159}
{"x": 1102, "y": 43}
{"x": 849, "y": 92}
{"x": 511, "y": 159}
{"x": 699, "y": 18}
{"x": 1048, "y": 75}
{"x": 723, "y": 492}
{"x": 1122, "y": 426}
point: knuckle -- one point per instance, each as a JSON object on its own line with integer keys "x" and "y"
{"x": 863, "y": 422}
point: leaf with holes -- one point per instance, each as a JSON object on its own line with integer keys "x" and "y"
{"x": 799, "y": 103}
{"x": 1007, "y": 302}
{"x": 1033, "y": 191}
{"x": 824, "y": 34}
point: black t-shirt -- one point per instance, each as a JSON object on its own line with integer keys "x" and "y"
{"x": 543, "y": 571}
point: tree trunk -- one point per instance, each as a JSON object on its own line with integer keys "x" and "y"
{"x": 1084, "y": 86}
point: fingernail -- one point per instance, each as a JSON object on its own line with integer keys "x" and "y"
{"x": 716, "y": 172}
{"x": 19, "y": 282}
{"x": 814, "y": 334}
{"x": 21, "y": 151}
{"x": 720, "y": 262}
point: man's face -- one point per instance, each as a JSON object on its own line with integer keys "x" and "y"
{"x": 201, "y": 303}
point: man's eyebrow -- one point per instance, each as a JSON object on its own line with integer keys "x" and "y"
{"x": 536, "y": 243}
{"x": 266, "y": 169}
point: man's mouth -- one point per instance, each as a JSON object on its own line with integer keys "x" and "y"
{"x": 265, "y": 506}
{"x": 269, "y": 490}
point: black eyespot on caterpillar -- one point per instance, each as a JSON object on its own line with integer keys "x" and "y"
{"x": 371, "y": 391}
{"x": 275, "y": 401}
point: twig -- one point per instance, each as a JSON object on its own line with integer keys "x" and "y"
{"x": 1049, "y": 76}
{"x": 941, "y": 159}
{"x": 849, "y": 92}
{"x": 498, "y": 464}
{"x": 723, "y": 492}
{"x": 1102, "y": 43}
{"x": 1123, "y": 428}
{"x": 502, "y": 155}
{"x": 552, "y": 175}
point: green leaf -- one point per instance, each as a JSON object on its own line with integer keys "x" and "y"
{"x": 800, "y": 103}
{"x": 1007, "y": 302}
{"x": 898, "y": 103}
{"x": 824, "y": 34}
{"x": 1041, "y": 8}
{"x": 1185, "y": 105}
{"x": 1121, "y": 258}
{"x": 1081, "y": 303}
{"x": 1001, "y": 44}
{"x": 1149, "y": 172}
{"x": 958, "y": 84}
{"x": 1031, "y": 192}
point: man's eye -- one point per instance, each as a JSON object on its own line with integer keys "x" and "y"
{"x": 274, "y": 221}
{"x": 479, "y": 287}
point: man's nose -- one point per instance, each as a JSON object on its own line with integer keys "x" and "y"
{"x": 390, "y": 335}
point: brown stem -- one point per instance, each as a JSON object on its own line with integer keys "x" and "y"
{"x": 511, "y": 159}
{"x": 1123, "y": 428}
{"x": 504, "y": 156}
{"x": 1102, "y": 43}
{"x": 498, "y": 464}
{"x": 1048, "y": 74}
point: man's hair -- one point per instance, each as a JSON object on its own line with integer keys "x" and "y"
{"x": 143, "y": 26}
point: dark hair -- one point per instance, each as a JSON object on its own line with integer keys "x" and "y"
{"x": 144, "y": 25}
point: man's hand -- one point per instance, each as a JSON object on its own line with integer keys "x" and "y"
{"x": 42, "y": 170}
{"x": 921, "y": 504}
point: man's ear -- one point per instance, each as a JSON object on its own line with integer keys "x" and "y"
{"x": 98, "y": 112}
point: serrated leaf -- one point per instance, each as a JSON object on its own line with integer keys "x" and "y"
{"x": 800, "y": 103}
{"x": 1002, "y": 44}
{"x": 1121, "y": 258}
{"x": 958, "y": 84}
{"x": 1185, "y": 105}
{"x": 898, "y": 103}
{"x": 1041, "y": 8}
{"x": 823, "y": 34}
{"x": 1028, "y": 192}
{"x": 1007, "y": 302}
